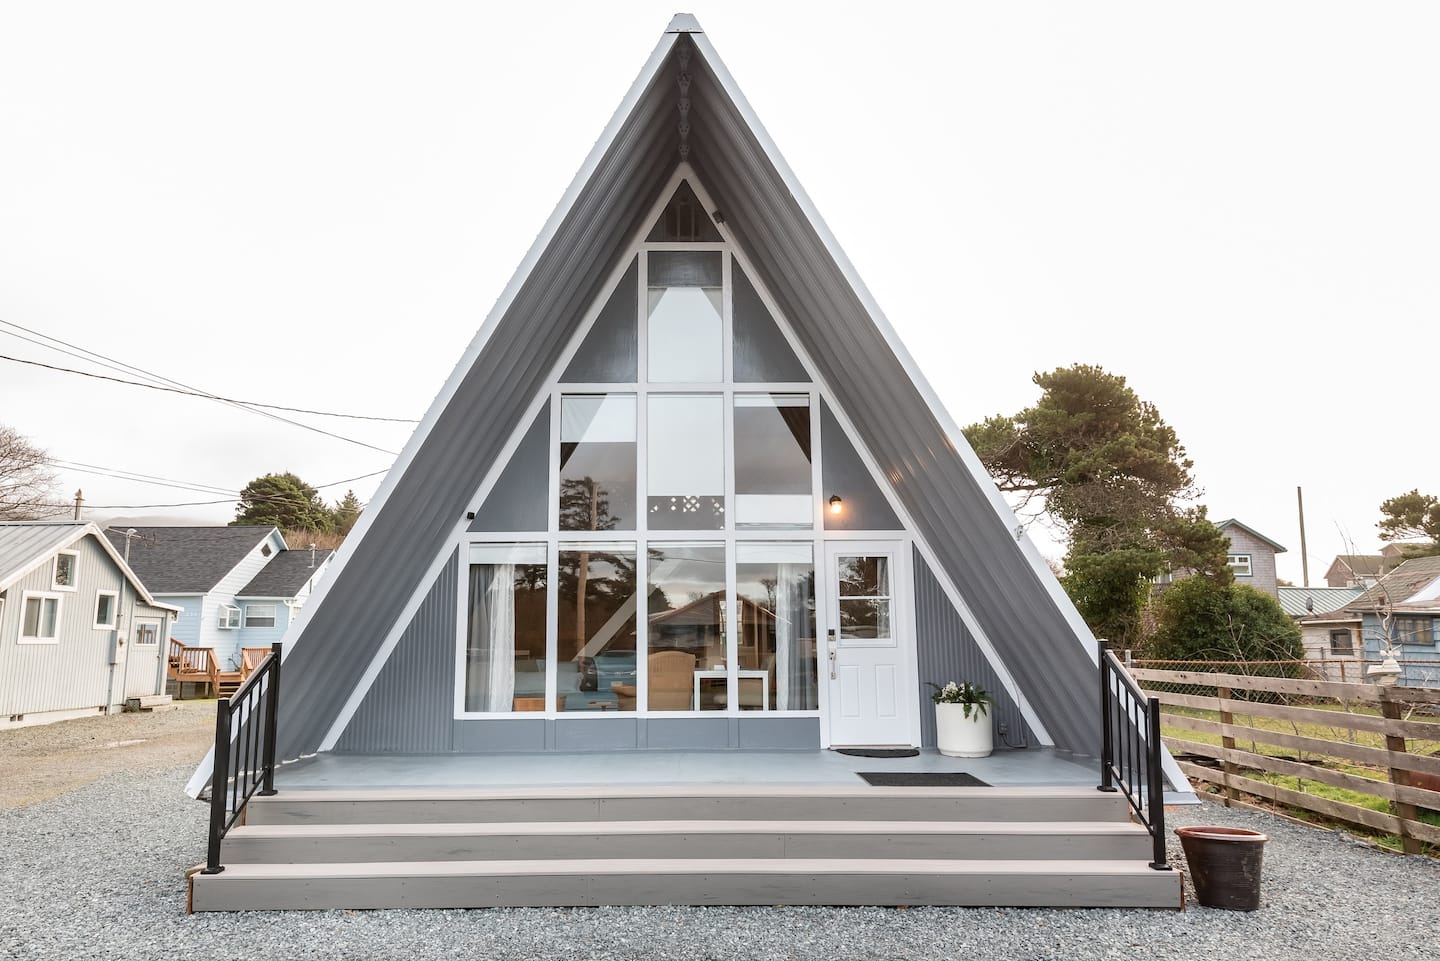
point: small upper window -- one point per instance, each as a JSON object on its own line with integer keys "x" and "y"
{"x": 229, "y": 617}
{"x": 67, "y": 566}
{"x": 1239, "y": 564}
{"x": 259, "y": 615}
{"x": 685, "y": 328}
{"x": 1342, "y": 641}
{"x": 684, "y": 220}
{"x": 265, "y": 551}
{"x": 105, "y": 607}
{"x": 40, "y": 619}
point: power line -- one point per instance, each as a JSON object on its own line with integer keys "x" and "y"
{"x": 183, "y": 485}
{"x": 105, "y": 361}
{"x": 197, "y": 393}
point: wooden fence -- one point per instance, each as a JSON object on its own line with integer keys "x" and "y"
{"x": 1408, "y": 780}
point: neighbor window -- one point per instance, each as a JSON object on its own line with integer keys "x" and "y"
{"x": 259, "y": 615}
{"x": 67, "y": 566}
{"x": 229, "y": 617}
{"x": 1239, "y": 564}
{"x": 40, "y": 619}
{"x": 105, "y": 602}
{"x": 1413, "y": 630}
{"x": 1342, "y": 642}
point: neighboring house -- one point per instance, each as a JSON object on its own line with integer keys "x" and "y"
{"x": 222, "y": 580}
{"x": 1363, "y": 570}
{"x": 1405, "y": 604}
{"x": 1329, "y": 635}
{"x": 79, "y": 632}
{"x": 1251, "y": 556}
{"x": 685, "y": 516}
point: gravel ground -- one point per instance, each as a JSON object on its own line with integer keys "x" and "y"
{"x": 97, "y": 872}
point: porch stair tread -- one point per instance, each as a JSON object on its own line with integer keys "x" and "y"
{"x": 700, "y": 789}
{"x": 662, "y": 826}
{"x": 873, "y": 881}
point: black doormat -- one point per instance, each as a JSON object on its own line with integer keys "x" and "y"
{"x": 921, "y": 779}
{"x": 878, "y": 751}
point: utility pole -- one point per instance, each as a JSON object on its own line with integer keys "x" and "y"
{"x": 79, "y": 502}
{"x": 1304, "y": 557}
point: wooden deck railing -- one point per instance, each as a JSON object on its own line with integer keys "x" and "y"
{"x": 1387, "y": 737}
{"x": 193, "y": 665}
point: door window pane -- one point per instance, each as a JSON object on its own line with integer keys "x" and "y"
{"x": 595, "y": 660}
{"x": 597, "y": 462}
{"x": 686, "y": 473}
{"x": 686, "y": 618}
{"x": 505, "y": 642}
{"x": 775, "y": 588}
{"x": 773, "y": 479}
{"x": 864, "y": 597}
{"x": 684, "y": 326}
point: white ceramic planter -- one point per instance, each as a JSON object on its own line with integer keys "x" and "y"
{"x": 959, "y": 736}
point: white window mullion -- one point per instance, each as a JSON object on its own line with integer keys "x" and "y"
{"x": 642, "y": 629}
{"x": 552, "y": 626}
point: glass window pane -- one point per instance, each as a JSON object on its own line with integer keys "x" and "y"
{"x": 32, "y": 617}
{"x": 864, "y": 618}
{"x": 686, "y": 473}
{"x": 864, "y": 576}
{"x": 597, "y": 462}
{"x": 775, "y": 636}
{"x": 773, "y": 479}
{"x": 684, "y": 327}
{"x": 686, "y": 618}
{"x": 104, "y": 608}
{"x": 505, "y": 642}
{"x": 51, "y": 608}
{"x": 595, "y": 662}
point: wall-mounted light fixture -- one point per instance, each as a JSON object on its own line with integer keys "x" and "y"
{"x": 836, "y": 504}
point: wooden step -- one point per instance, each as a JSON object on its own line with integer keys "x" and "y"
{"x": 949, "y": 840}
{"x": 714, "y": 802}
{"x": 150, "y": 702}
{"x": 477, "y": 884}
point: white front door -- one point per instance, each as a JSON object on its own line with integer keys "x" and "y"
{"x": 143, "y": 665}
{"x": 871, "y": 693}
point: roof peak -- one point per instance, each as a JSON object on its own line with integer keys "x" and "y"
{"x": 684, "y": 23}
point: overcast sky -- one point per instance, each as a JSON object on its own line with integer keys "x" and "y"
{"x": 1234, "y": 205}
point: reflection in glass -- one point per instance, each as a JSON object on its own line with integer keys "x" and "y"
{"x": 864, "y": 586}
{"x": 686, "y": 473}
{"x": 595, "y": 660}
{"x": 684, "y": 327}
{"x": 686, "y": 618}
{"x": 775, "y": 587}
{"x": 505, "y": 641}
{"x": 597, "y": 462}
{"x": 773, "y": 479}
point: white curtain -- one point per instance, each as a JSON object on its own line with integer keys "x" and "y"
{"x": 794, "y": 671}
{"x": 490, "y": 680}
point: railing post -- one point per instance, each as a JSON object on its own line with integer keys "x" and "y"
{"x": 1390, "y": 703}
{"x": 272, "y": 709}
{"x": 1107, "y": 735}
{"x": 1156, "y": 786}
{"x": 219, "y": 778}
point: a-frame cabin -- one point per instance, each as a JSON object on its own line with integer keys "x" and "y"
{"x": 685, "y": 517}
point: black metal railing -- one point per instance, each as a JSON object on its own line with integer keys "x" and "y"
{"x": 1130, "y": 753}
{"x": 244, "y": 751}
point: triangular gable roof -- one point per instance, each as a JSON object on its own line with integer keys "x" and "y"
{"x": 1232, "y": 522}
{"x": 189, "y": 560}
{"x": 1395, "y": 589}
{"x": 286, "y": 573}
{"x": 25, "y": 545}
{"x": 970, "y": 535}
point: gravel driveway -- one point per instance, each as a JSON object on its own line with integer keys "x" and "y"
{"x": 95, "y": 870}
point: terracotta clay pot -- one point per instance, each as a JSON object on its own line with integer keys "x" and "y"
{"x": 1225, "y": 865}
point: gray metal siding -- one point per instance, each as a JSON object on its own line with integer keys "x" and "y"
{"x": 844, "y": 474}
{"x": 947, "y": 652}
{"x": 410, "y": 706}
{"x": 517, "y": 502}
{"x": 610, "y": 353}
{"x": 761, "y": 351}
{"x": 953, "y": 512}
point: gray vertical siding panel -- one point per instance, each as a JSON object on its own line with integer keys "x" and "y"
{"x": 950, "y": 507}
{"x": 948, "y": 652}
{"x": 411, "y": 706}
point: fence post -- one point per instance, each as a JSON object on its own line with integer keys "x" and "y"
{"x": 1228, "y": 743}
{"x": 272, "y": 697}
{"x": 219, "y": 779}
{"x": 1395, "y": 743}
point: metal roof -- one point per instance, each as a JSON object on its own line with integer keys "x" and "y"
{"x": 26, "y": 545}
{"x": 287, "y": 572}
{"x": 1008, "y": 589}
{"x": 188, "y": 560}
{"x": 1305, "y": 601}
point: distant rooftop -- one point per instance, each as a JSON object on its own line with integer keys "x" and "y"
{"x": 1304, "y": 601}
{"x": 286, "y": 573}
{"x": 186, "y": 560}
{"x": 1400, "y": 585}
